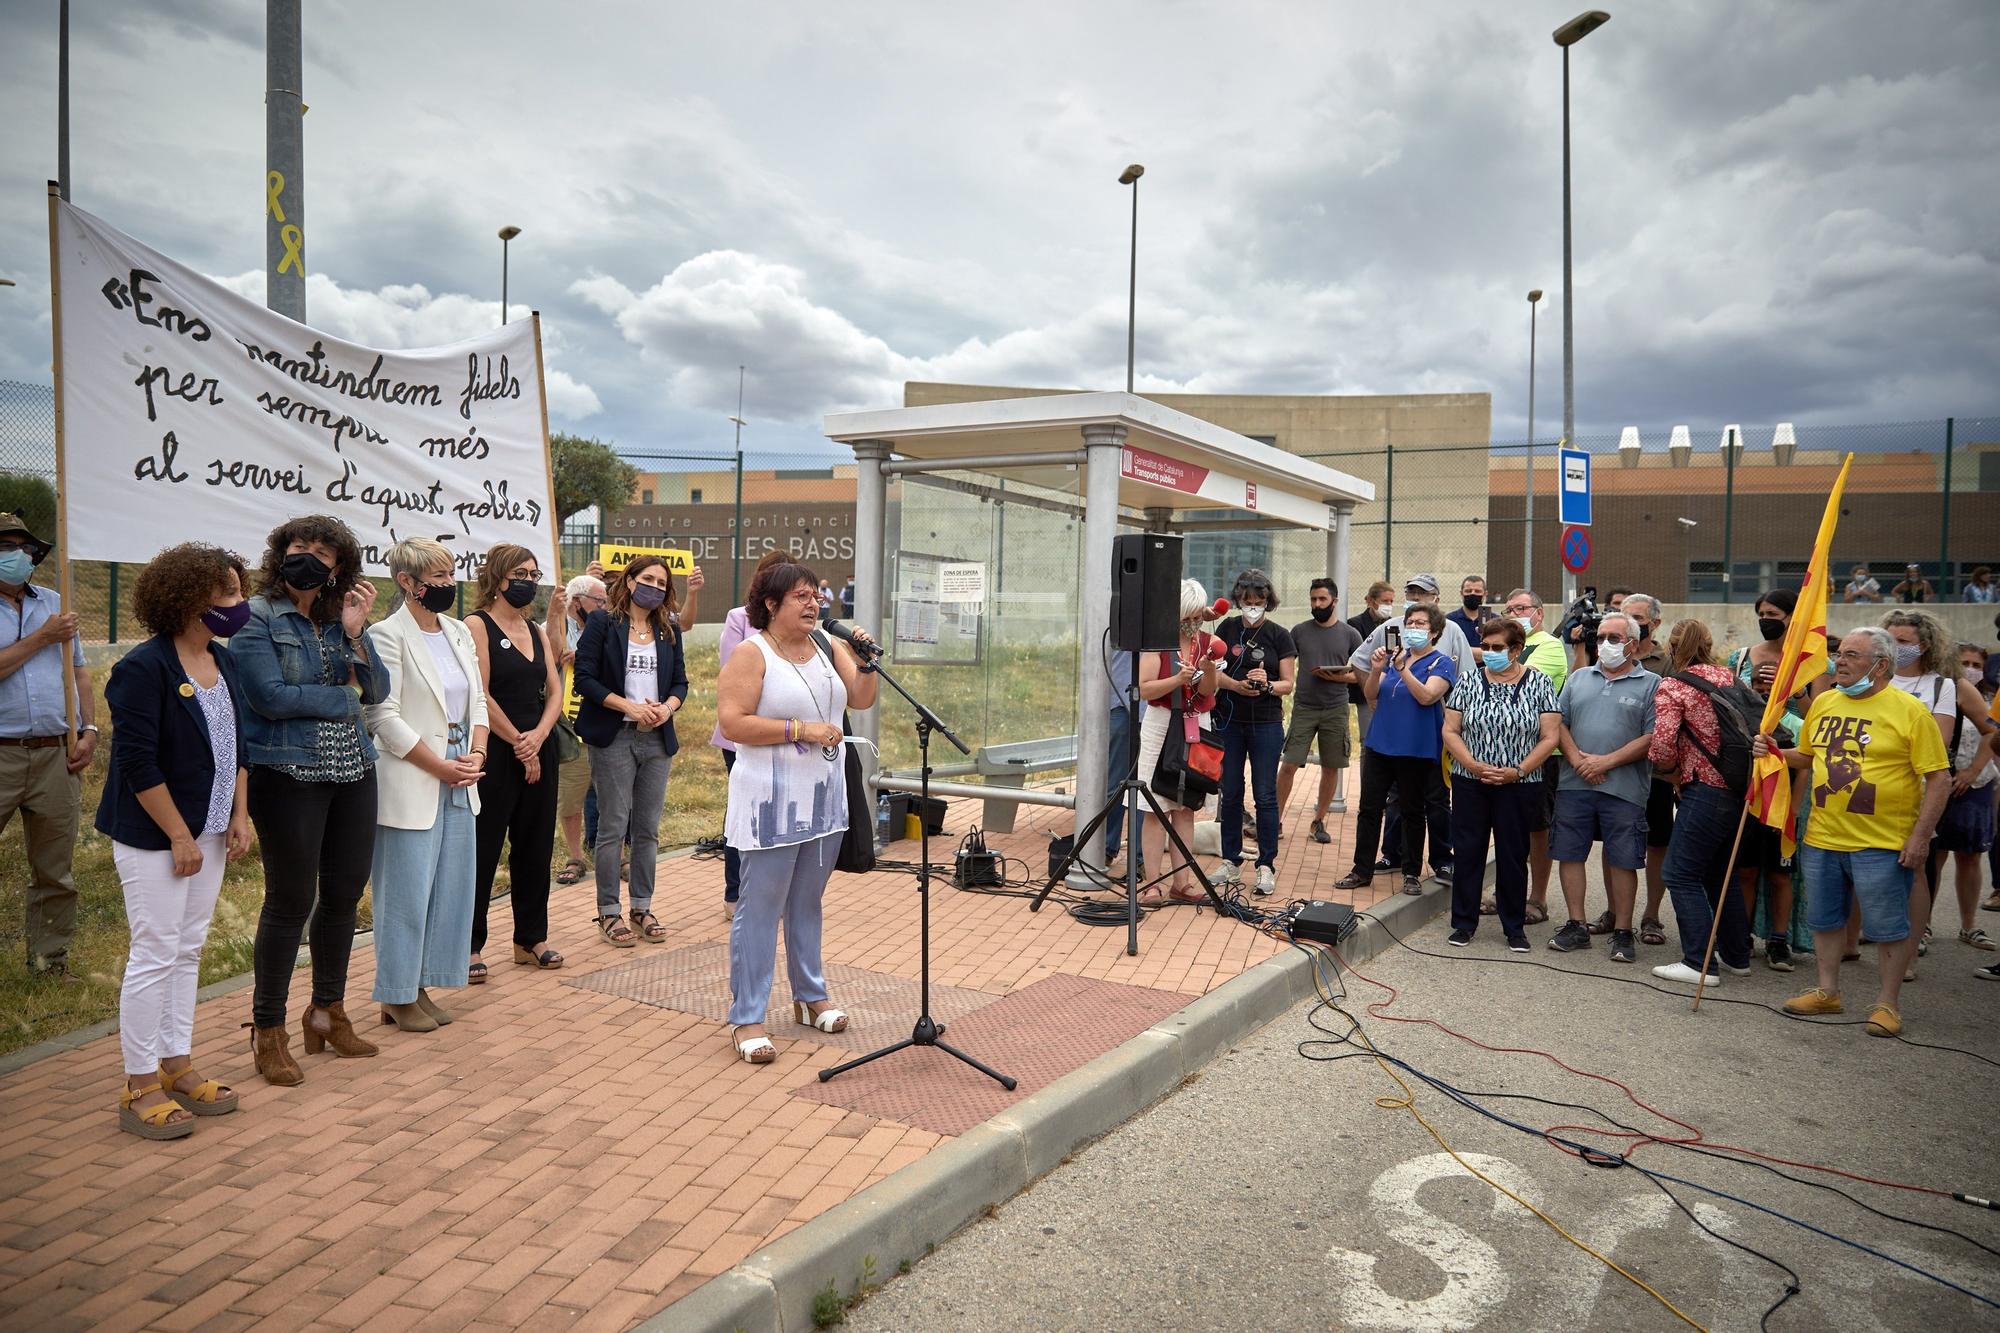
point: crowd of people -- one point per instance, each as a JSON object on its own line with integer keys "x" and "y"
{"x": 1488, "y": 735}
{"x": 406, "y": 756}
{"x": 414, "y": 751}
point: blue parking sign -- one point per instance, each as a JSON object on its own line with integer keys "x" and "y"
{"x": 1574, "y": 492}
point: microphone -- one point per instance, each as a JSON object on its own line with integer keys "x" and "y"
{"x": 1216, "y": 649}
{"x": 1218, "y": 611}
{"x": 843, "y": 631}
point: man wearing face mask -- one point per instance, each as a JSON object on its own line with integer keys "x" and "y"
{"x": 1880, "y": 780}
{"x": 1607, "y": 728}
{"x": 38, "y": 777}
{"x": 1472, "y": 604}
{"x": 1250, "y": 722}
{"x": 1319, "y": 706}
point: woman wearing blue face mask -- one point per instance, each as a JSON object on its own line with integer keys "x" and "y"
{"x": 1500, "y": 727}
{"x": 1403, "y": 743}
{"x": 1927, "y": 669}
{"x": 175, "y": 810}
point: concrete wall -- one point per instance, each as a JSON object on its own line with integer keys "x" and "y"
{"x": 1736, "y": 625}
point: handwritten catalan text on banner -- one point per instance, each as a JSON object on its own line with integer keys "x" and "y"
{"x": 192, "y": 413}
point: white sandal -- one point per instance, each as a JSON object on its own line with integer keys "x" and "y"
{"x": 827, "y": 1020}
{"x": 756, "y": 1051}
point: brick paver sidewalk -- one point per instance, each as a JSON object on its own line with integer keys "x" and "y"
{"x": 563, "y": 1154}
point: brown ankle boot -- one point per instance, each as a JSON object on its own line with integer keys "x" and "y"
{"x": 271, "y": 1049}
{"x": 329, "y": 1027}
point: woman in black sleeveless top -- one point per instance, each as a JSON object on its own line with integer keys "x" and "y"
{"x": 517, "y": 797}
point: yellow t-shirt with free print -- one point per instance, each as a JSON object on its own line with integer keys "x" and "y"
{"x": 1869, "y": 760}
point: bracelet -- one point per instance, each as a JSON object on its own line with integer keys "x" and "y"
{"x": 477, "y": 750}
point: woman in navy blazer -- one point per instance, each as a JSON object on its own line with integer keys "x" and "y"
{"x": 175, "y": 808}
{"x": 632, "y": 676}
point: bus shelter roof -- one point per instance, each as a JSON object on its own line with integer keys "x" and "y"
{"x": 1171, "y": 460}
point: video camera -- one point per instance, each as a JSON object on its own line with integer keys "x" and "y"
{"x": 1581, "y": 620}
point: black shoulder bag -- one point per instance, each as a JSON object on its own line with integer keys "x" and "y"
{"x": 857, "y": 845}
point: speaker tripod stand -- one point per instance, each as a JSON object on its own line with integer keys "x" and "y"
{"x": 1123, "y": 802}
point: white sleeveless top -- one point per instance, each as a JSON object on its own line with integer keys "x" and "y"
{"x": 778, "y": 796}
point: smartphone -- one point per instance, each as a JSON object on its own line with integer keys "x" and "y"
{"x": 1393, "y": 637}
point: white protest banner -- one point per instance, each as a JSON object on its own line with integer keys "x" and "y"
{"x": 191, "y": 413}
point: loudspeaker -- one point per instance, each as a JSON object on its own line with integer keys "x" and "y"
{"x": 1145, "y": 592}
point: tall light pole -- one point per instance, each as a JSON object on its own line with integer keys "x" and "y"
{"x": 1130, "y": 176}
{"x": 1528, "y": 532}
{"x": 62, "y": 101}
{"x": 736, "y": 537}
{"x": 1568, "y": 35}
{"x": 506, "y": 234}
{"x": 284, "y": 161}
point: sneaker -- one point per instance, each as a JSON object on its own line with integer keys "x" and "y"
{"x": 1731, "y": 968}
{"x": 1814, "y": 1001}
{"x": 1684, "y": 974}
{"x": 1574, "y": 935}
{"x": 1458, "y": 939}
{"x": 1267, "y": 882}
{"x": 1924, "y": 944}
{"x": 1978, "y": 939}
{"x": 1357, "y": 880}
{"x": 1319, "y": 832}
{"x": 1987, "y": 973}
{"x": 1517, "y": 944}
{"x": 1884, "y": 1022}
{"x": 1227, "y": 876}
{"x": 1412, "y": 885}
{"x": 1778, "y": 955}
{"x": 1442, "y": 875}
{"x": 1383, "y": 863}
{"x": 1624, "y": 948}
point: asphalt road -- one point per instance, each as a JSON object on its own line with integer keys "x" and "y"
{"x": 1275, "y": 1193}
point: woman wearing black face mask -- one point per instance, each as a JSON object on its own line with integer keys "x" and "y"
{"x": 308, "y": 669}
{"x": 517, "y": 799}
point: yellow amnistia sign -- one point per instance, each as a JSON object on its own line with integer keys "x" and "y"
{"x": 615, "y": 557}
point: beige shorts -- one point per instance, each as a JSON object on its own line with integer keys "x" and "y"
{"x": 573, "y": 786}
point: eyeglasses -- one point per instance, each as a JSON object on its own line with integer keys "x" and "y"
{"x": 1500, "y": 647}
{"x": 8, "y": 546}
{"x": 804, "y": 596}
{"x": 532, "y": 576}
{"x": 1612, "y": 638}
{"x": 1523, "y": 609}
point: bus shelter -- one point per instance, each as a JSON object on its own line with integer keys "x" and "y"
{"x": 1142, "y": 467}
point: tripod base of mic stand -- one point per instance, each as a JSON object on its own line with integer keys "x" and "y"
{"x": 926, "y": 1033}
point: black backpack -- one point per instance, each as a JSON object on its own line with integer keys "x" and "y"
{"x": 1738, "y": 710}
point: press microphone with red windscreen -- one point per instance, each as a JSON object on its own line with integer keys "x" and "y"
{"x": 1218, "y": 611}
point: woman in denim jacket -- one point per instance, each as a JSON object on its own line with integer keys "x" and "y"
{"x": 307, "y": 670}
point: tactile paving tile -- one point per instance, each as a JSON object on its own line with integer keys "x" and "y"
{"x": 1037, "y": 1034}
{"x": 880, "y": 1007}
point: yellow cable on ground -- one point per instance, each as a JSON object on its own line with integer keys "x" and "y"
{"x": 1408, "y": 1102}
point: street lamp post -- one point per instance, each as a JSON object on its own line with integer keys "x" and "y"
{"x": 506, "y": 234}
{"x": 1568, "y": 35}
{"x": 736, "y": 536}
{"x": 1130, "y": 176}
{"x": 1528, "y": 532}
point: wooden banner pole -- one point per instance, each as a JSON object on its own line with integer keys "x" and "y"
{"x": 64, "y": 586}
{"x": 548, "y": 456}
{"x": 1728, "y": 887}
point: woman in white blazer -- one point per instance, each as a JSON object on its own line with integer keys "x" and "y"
{"x": 430, "y": 736}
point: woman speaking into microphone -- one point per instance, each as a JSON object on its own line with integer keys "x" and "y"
{"x": 780, "y": 706}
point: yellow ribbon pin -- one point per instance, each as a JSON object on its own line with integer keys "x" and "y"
{"x": 187, "y": 690}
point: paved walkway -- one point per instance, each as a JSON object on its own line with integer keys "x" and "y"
{"x": 580, "y": 1148}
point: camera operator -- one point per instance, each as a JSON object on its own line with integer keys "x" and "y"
{"x": 1578, "y": 628}
{"x": 1250, "y": 722}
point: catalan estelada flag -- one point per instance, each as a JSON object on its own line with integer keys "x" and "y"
{"x": 1802, "y": 661}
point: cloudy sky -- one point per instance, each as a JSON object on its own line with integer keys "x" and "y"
{"x": 1783, "y": 210}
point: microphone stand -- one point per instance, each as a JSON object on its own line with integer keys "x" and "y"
{"x": 928, "y": 1031}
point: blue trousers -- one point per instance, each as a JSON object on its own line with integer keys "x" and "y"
{"x": 781, "y": 886}
{"x": 423, "y": 891}
{"x": 1697, "y": 875}
{"x": 1116, "y": 770}
{"x": 1259, "y": 744}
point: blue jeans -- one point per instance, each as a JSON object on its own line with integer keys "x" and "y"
{"x": 1697, "y": 877}
{"x": 1117, "y": 769}
{"x": 1873, "y": 877}
{"x": 424, "y": 883}
{"x": 1259, "y": 743}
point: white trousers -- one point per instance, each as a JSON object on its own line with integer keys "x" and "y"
{"x": 169, "y": 916}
